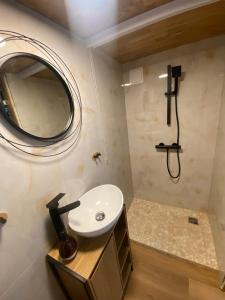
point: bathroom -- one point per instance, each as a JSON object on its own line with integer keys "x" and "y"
{"x": 116, "y": 67}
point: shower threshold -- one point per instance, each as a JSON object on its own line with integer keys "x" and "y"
{"x": 168, "y": 229}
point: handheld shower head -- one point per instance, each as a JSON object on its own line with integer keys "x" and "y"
{"x": 176, "y": 71}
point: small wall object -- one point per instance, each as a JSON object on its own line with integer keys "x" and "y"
{"x": 3, "y": 217}
{"x": 96, "y": 156}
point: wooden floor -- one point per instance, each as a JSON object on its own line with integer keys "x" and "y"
{"x": 160, "y": 276}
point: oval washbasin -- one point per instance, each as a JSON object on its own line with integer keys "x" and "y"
{"x": 99, "y": 210}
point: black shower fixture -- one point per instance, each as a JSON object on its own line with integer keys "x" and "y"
{"x": 173, "y": 75}
{"x": 162, "y": 146}
{"x": 172, "y": 72}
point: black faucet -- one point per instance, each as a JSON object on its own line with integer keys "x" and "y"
{"x": 55, "y": 213}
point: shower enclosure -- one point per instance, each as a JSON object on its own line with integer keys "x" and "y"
{"x": 184, "y": 217}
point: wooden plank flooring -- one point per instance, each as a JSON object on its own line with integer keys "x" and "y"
{"x": 160, "y": 276}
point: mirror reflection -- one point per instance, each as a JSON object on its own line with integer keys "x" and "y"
{"x": 34, "y": 98}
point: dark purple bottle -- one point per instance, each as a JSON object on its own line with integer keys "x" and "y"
{"x": 67, "y": 246}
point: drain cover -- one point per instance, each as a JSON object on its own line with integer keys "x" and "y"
{"x": 100, "y": 216}
{"x": 193, "y": 220}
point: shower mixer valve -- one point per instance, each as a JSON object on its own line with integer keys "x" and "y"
{"x": 162, "y": 146}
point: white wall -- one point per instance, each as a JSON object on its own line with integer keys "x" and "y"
{"x": 27, "y": 184}
{"x": 198, "y": 105}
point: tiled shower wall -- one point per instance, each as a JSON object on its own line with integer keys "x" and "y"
{"x": 217, "y": 196}
{"x": 199, "y": 106}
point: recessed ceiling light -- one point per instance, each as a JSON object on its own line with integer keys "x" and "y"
{"x": 126, "y": 84}
{"x": 2, "y": 42}
{"x": 163, "y": 75}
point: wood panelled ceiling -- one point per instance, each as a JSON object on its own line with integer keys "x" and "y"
{"x": 191, "y": 26}
{"x": 56, "y": 10}
{"x": 131, "y": 8}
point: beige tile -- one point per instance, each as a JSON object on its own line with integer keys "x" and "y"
{"x": 217, "y": 196}
{"x": 166, "y": 228}
{"x": 36, "y": 282}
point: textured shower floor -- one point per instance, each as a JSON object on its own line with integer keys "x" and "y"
{"x": 167, "y": 228}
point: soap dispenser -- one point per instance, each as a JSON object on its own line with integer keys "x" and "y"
{"x": 67, "y": 244}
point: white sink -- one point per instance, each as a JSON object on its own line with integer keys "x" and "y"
{"x": 99, "y": 210}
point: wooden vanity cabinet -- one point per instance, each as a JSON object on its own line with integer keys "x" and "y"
{"x": 101, "y": 268}
{"x": 106, "y": 281}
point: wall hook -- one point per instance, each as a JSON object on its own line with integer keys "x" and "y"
{"x": 96, "y": 156}
{"x": 3, "y": 217}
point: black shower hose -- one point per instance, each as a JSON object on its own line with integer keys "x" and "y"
{"x": 178, "y": 143}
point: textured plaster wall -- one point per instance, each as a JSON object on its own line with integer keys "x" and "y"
{"x": 217, "y": 196}
{"x": 113, "y": 123}
{"x": 27, "y": 184}
{"x": 199, "y": 104}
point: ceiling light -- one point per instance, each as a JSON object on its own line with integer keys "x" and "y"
{"x": 163, "y": 75}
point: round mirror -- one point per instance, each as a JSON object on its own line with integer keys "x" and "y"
{"x": 34, "y": 98}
